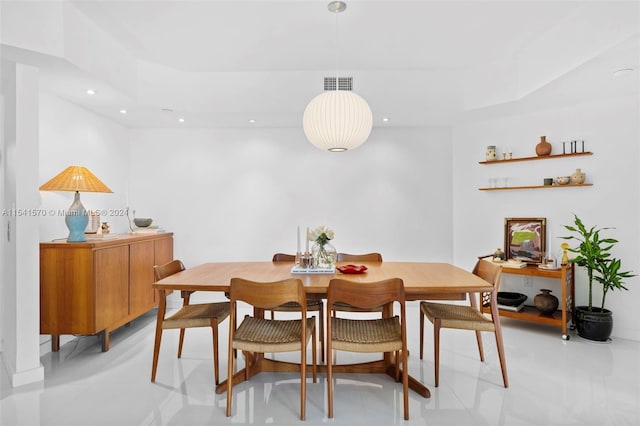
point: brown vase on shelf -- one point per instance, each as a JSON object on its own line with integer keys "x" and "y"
{"x": 545, "y": 302}
{"x": 543, "y": 148}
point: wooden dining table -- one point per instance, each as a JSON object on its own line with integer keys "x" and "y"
{"x": 422, "y": 280}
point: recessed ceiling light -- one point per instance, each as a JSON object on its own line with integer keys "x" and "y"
{"x": 123, "y": 111}
{"x": 251, "y": 120}
{"x": 622, "y": 71}
{"x": 386, "y": 119}
{"x": 91, "y": 92}
{"x": 181, "y": 120}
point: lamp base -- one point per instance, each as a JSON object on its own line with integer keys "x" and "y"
{"x": 76, "y": 220}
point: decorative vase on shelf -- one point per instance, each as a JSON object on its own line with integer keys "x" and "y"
{"x": 543, "y": 148}
{"x": 545, "y": 302}
{"x": 491, "y": 154}
{"x": 565, "y": 255}
{"x": 324, "y": 255}
{"x": 577, "y": 178}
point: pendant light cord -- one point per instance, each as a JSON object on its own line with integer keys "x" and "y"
{"x": 337, "y": 7}
{"x": 336, "y": 52}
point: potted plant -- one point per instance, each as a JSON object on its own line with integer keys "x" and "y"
{"x": 593, "y": 253}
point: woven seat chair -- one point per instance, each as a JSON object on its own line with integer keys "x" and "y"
{"x": 444, "y": 315}
{"x": 368, "y": 335}
{"x": 260, "y": 335}
{"x": 314, "y": 304}
{"x": 346, "y": 257}
{"x": 189, "y": 316}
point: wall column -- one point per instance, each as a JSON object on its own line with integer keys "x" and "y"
{"x": 20, "y": 281}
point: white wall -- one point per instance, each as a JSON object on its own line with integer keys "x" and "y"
{"x": 3, "y": 222}
{"x": 238, "y": 194}
{"x": 610, "y": 130}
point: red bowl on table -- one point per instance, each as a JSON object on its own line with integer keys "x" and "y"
{"x": 352, "y": 269}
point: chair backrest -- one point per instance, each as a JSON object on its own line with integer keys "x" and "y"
{"x": 283, "y": 257}
{"x": 267, "y": 295}
{"x": 489, "y": 271}
{"x": 368, "y": 257}
{"x": 169, "y": 268}
{"x": 366, "y": 295}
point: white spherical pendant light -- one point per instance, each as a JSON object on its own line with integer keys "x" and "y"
{"x": 337, "y": 120}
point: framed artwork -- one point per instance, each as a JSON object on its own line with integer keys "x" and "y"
{"x": 525, "y": 238}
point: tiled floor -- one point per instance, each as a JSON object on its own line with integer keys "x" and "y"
{"x": 552, "y": 382}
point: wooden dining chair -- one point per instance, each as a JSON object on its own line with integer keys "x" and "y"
{"x": 259, "y": 335}
{"x": 314, "y": 304}
{"x": 189, "y": 316}
{"x": 446, "y": 315}
{"x": 367, "y": 257}
{"x": 368, "y": 335}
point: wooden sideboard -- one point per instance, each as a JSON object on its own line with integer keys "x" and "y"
{"x": 99, "y": 285}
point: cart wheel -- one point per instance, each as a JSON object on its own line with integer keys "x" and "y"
{"x": 566, "y": 337}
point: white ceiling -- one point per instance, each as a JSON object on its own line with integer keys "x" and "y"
{"x": 420, "y": 63}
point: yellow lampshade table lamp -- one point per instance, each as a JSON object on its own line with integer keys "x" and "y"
{"x": 76, "y": 179}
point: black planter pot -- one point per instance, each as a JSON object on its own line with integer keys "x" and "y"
{"x": 594, "y": 324}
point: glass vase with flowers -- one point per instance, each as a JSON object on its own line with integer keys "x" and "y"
{"x": 323, "y": 252}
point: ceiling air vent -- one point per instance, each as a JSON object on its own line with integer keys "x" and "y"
{"x": 344, "y": 83}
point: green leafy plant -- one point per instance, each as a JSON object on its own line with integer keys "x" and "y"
{"x": 610, "y": 276}
{"x": 593, "y": 253}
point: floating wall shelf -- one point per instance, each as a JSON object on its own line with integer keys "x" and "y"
{"x": 546, "y": 157}
{"x": 506, "y": 188}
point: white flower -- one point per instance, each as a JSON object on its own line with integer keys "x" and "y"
{"x": 321, "y": 235}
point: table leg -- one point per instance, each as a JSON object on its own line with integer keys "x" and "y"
{"x": 255, "y": 367}
{"x": 414, "y": 384}
{"x": 384, "y": 366}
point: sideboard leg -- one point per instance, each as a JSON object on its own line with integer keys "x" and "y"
{"x": 55, "y": 342}
{"x": 105, "y": 340}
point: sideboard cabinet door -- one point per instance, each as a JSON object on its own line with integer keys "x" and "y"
{"x": 112, "y": 286}
{"x": 163, "y": 251}
{"x": 142, "y": 257}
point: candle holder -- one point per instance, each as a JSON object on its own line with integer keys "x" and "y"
{"x": 306, "y": 261}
